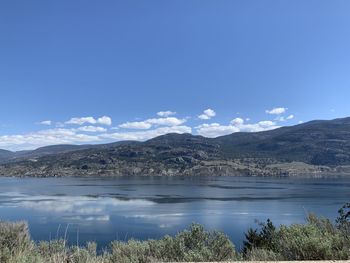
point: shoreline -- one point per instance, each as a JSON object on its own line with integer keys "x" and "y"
{"x": 92, "y": 175}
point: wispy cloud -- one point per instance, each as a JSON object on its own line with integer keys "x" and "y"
{"x": 45, "y": 137}
{"x": 166, "y": 113}
{"x": 139, "y": 125}
{"x": 290, "y": 117}
{"x": 147, "y": 124}
{"x": 207, "y": 114}
{"x": 145, "y": 135}
{"x": 276, "y": 111}
{"x": 81, "y": 120}
{"x": 104, "y": 120}
{"x": 283, "y": 118}
{"x": 48, "y": 122}
{"x": 92, "y": 129}
{"x": 215, "y": 129}
{"x": 169, "y": 121}
{"x": 236, "y": 125}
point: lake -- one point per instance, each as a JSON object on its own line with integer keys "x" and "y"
{"x": 105, "y": 209}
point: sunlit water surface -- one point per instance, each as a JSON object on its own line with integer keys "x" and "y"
{"x": 105, "y": 209}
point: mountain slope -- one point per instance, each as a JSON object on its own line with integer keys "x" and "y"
{"x": 316, "y": 142}
{"x": 8, "y": 156}
{"x": 317, "y": 148}
{"x": 4, "y": 154}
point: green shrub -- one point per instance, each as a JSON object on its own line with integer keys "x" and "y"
{"x": 343, "y": 220}
{"x": 262, "y": 254}
{"x": 194, "y": 244}
{"x": 54, "y": 247}
{"x": 265, "y": 238}
{"x": 167, "y": 249}
{"x": 85, "y": 254}
{"x": 130, "y": 252}
{"x": 197, "y": 244}
{"x": 14, "y": 238}
{"x": 301, "y": 242}
{"x": 318, "y": 239}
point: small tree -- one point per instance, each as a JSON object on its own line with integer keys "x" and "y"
{"x": 343, "y": 219}
{"x": 260, "y": 239}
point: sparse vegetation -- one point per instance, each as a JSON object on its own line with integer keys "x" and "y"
{"x": 317, "y": 239}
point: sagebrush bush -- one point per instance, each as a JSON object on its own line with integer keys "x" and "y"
{"x": 262, "y": 254}
{"x": 302, "y": 242}
{"x": 53, "y": 247}
{"x": 194, "y": 244}
{"x": 318, "y": 239}
{"x": 130, "y": 252}
{"x": 14, "y": 239}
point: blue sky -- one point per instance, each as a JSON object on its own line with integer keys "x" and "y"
{"x": 128, "y": 60}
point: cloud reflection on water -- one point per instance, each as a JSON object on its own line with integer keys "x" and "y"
{"x": 80, "y": 208}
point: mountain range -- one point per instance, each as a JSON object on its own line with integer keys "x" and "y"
{"x": 316, "y": 148}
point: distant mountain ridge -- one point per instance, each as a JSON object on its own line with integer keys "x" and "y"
{"x": 315, "y": 142}
{"x": 9, "y": 156}
{"x": 314, "y": 148}
{"x": 5, "y": 154}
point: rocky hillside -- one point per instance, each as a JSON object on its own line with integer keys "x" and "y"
{"x": 315, "y": 148}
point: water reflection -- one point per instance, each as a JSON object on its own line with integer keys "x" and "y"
{"x": 105, "y": 209}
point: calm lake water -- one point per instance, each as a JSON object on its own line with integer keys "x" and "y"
{"x": 104, "y": 209}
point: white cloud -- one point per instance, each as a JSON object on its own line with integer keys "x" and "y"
{"x": 92, "y": 129}
{"x": 145, "y": 135}
{"x": 210, "y": 112}
{"x": 140, "y": 125}
{"x": 59, "y": 125}
{"x": 290, "y": 117}
{"x": 147, "y": 129}
{"x": 236, "y": 125}
{"x": 254, "y": 127}
{"x": 166, "y": 113}
{"x": 62, "y": 135}
{"x": 147, "y": 124}
{"x": 48, "y": 122}
{"x": 215, "y": 130}
{"x": 282, "y": 118}
{"x": 260, "y": 126}
{"x": 276, "y": 111}
{"x": 266, "y": 124}
{"x": 45, "y": 137}
{"x": 237, "y": 121}
{"x": 203, "y": 117}
{"x": 104, "y": 120}
{"x": 81, "y": 120}
{"x": 169, "y": 121}
{"x": 207, "y": 114}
